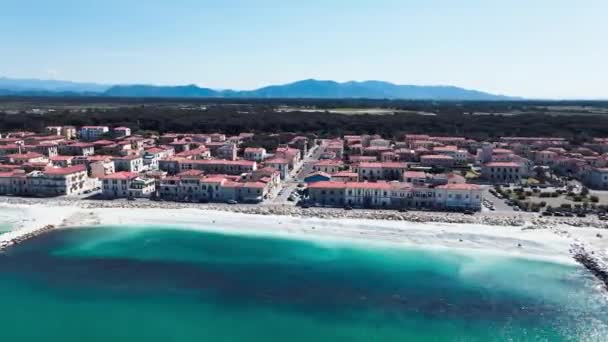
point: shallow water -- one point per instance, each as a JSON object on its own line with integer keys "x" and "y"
{"x": 164, "y": 284}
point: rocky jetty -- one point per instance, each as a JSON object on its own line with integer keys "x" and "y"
{"x": 592, "y": 262}
{"x": 25, "y": 236}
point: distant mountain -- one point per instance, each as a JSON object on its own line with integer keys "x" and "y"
{"x": 368, "y": 89}
{"x": 315, "y": 89}
{"x": 160, "y": 91}
{"x": 29, "y": 85}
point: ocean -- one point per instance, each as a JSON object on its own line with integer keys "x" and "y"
{"x": 168, "y": 284}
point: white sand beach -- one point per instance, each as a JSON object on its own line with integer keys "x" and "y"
{"x": 529, "y": 241}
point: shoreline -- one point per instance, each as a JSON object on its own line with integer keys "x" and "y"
{"x": 520, "y": 239}
{"x": 519, "y": 219}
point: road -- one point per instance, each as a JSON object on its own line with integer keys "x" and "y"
{"x": 308, "y": 162}
{"x": 290, "y": 185}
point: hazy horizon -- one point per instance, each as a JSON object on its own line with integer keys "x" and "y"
{"x": 547, "y": 49}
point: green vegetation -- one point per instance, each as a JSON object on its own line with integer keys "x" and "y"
{"x": 233, "y": 116}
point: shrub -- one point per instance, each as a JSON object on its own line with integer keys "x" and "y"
{"x": 554, "y": 194}
{"x": 594, "y": 199}
{"x": 521, "y": 197}
{"x": 544, "y": 195}
{"x": 542, "y": 204}
{"x": 528, "y": 193}
{"x": 566, "y": 206}
{"x": 577, "y": 198}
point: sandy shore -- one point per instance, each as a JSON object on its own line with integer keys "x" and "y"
{"x": 524, "y": 239}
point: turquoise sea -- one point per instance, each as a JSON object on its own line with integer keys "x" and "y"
{"x": 165, "y": 284}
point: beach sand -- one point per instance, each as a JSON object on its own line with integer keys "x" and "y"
{"x": 527, "y": 241}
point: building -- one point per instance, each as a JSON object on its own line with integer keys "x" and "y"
{"x": 12, "y": 182}
{"x": 130, "y": 163}
{"x": 227, "y": 151}
{"x": 77, "y": 149}
{"x": 395, "y": 195}
{"x": 415, "y": 177}
{"x": 328, "y": 166}
{"x": 345, "y": 176}
{"x": 596, "y": 178}
{"x": 194, "y": 186}
{"x": 59, "y": 181}
{"x": 279, "y": 164}
{"x": 380, "y": 170}
{"x": 437, "y": 161}
{"x": 257, "y": 154}
{"x": 25, "y": 158}
{"x": 127, "y": 185}
{"x": 460, "y": 156}
{"x": 91, "y": 133}
{"x": 458, "y": 196}
{"x": 62, "y": 161}
{"x": 214, "y": 166}
{"x": 53, "y": 130}
{"x": 503, "y": 172}
{"x": 484, "y": 154}
{"x": 122, "y": 131}
{"x": 292, "y": 155}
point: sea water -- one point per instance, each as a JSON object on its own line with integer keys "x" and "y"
{"x": 168, "y": 284}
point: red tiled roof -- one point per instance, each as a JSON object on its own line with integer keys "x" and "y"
{"x": 94, "y": 127}
{"x": 64, "y": 170}
{"x": 27, "y": 155}
{"x": 383, "y": 164}
{"x": 220, "y": 162}
{"x": 456, "y": 186}
{"x": 502, "y": 164}
{"x": 329, "y": 162}
{"x": 437, "y": 156}
{"x": 62, "y": 158}
{"x": 120, "y": 175}
{"x": 414, "y": 174}
{"x": 255, "y": 149}
{"x": 82, "y": 145}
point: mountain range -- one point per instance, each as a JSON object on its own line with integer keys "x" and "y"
{"x": 301, "y": 89}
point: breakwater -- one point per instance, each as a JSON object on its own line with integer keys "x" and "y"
{"x": 18, "y": 236}
{"x": 592, "y": 262}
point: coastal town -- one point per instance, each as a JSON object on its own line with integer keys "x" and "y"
{"x": 416, "y": 172}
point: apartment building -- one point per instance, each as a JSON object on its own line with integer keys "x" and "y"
{"x": 503, "y": 172}
{"x": 257, "y": 154}
{"x": 131, "y": 163}
{"x": 380, "y": 170}
{"x": 90, "y": 133}
{"x": 127, "y": 185}
{"x": 396, "y": 195}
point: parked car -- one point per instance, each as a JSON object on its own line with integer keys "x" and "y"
{"x": 231, "y": 202}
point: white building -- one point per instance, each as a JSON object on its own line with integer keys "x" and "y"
{"x": 91, "y": 133}
{"x": 128, "y": 163}
{"x": 127, "y": 184}
{"x": 257, "y": 154}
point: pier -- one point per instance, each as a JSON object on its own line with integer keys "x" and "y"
{"x": 15, "y": 237}
{"x": 595, "y": 264}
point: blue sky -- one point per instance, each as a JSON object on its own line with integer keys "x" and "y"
{"x": 533, "y": 48}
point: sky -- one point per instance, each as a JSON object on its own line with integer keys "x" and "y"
{"x": 533, "y": 48}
